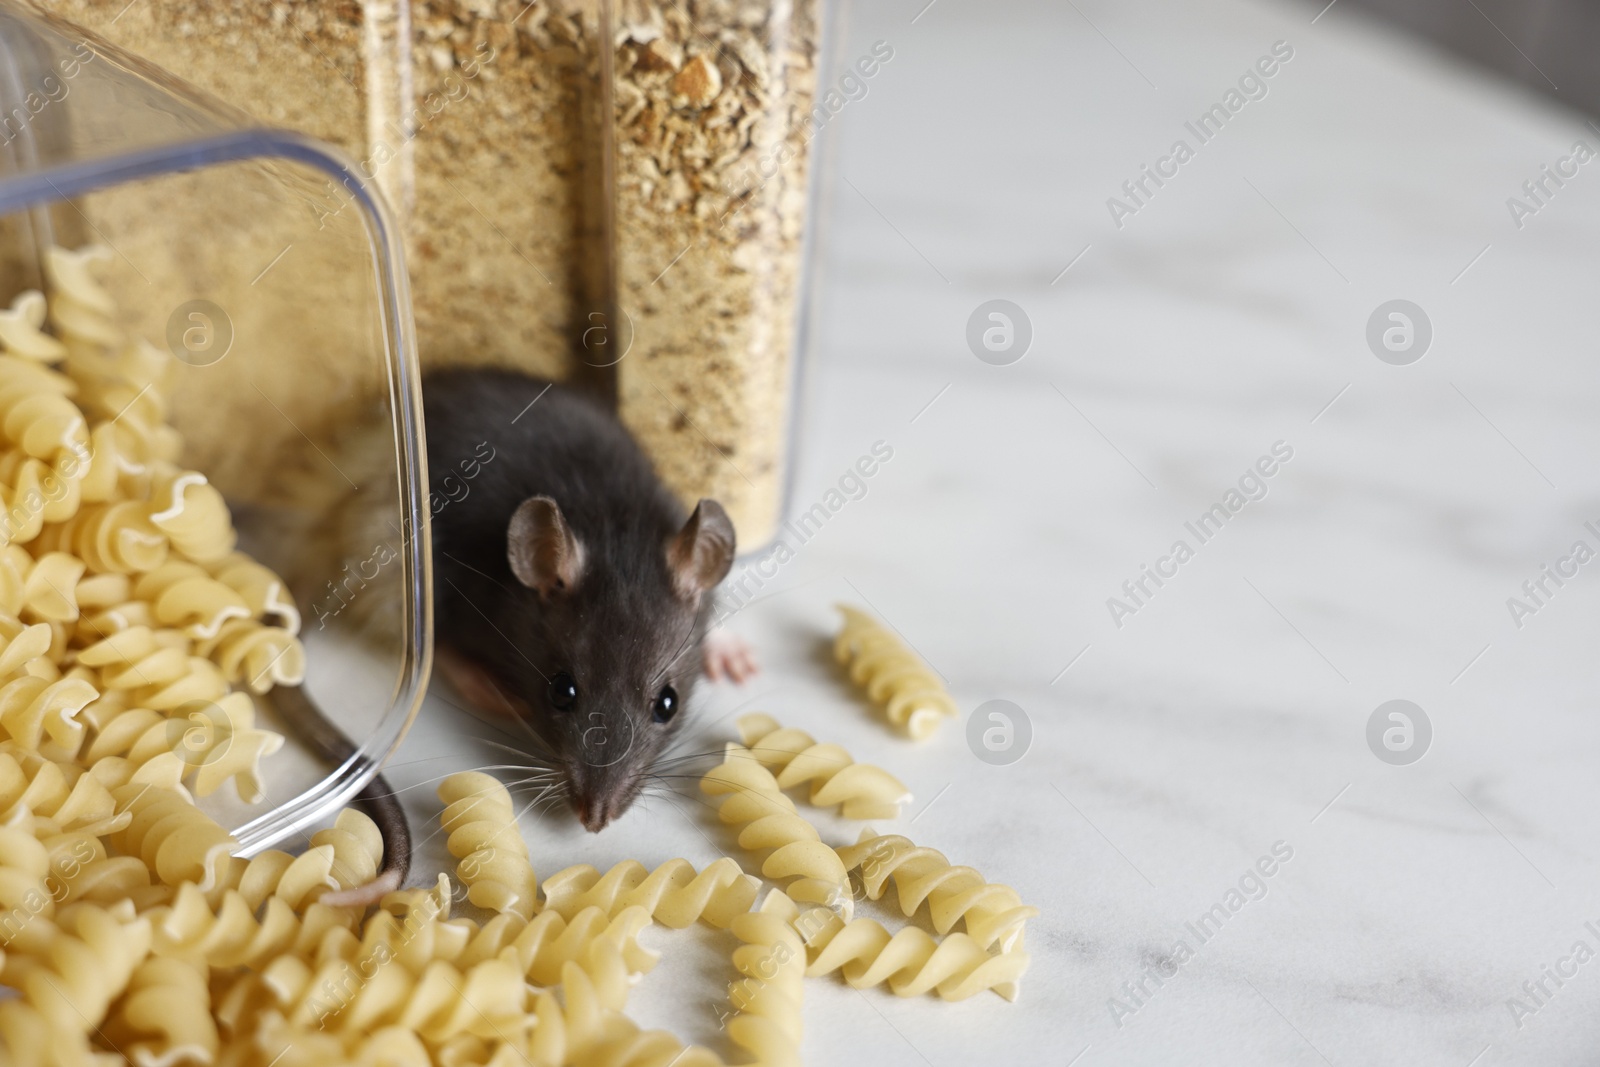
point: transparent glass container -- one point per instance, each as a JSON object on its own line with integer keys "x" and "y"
{"x": 265, "y": 262}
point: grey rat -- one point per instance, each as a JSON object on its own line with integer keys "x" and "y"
{"x": 571, "y": 593}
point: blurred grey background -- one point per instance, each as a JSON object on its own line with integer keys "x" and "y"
{"x": 1549, "y": 45}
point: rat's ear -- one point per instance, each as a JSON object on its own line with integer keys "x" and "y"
{"x": 701, "y": 554}
{"x": 544, "y": 554}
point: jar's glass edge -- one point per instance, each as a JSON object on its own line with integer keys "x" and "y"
{"x": 30, "y": 189}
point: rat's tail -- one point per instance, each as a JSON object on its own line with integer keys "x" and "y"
{"x": 377, "y": 799}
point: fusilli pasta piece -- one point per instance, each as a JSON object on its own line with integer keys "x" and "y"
{"x": 222, "y": 620}
{"x": 68, "y": 971}
{"x": 911, "y": 694}
{"x": 138, "y": 746}
{"x": 209, "y": 741}
{"x": 19, "y": 645}
{"x": 22, "y": 330}
{"x": 770, "y": 821}
{"x": 119, "y": 463}
{"x": 137, "y": 657}
{"x": 184, "y": 596}
{"x": 673, "y": 894}
{"x": 37, "y": 415}
{"x": 32, "y": 707}
{"x": 229, "y": 935}
{"x": 357, "y": 846}
{"x": 540, "y": 949}
{"x": 39, "y": 590}
{"x": 767, "y": 999}
{"x": 36, "y": 493}
{"x": 482, "y": 824}
{"x": 80, "y": 307}
{"x": 193, "y": 515}
{"x": 912, "y": 961}
{"x": 861, "y": 790}
{"x": 991, "y": 913}
{"x": 256, "y": 655}
{"x": 584, "y": 1031}
{"x": 116, "y": 537}
{"x": 165, "y": 1016}
{"x": 201, "y": 683}
{"x": 342, "y": 856}
{"x": 176, "y": 840}
{"x": 437, "y": 1004}
{"x": 439, "y": 999}
{"x": 70, "y": 798}
{"x": 122, "y": 385}
{"x": 423, "y": 935}
{"x": 24, "y": 865}
{"x": 278, "y": 1044}
{"x": 263, "y": 590}
{"x": 419, "y": 904}
{"x": 600, "y": 944}
{"x": 224, "y": 744}
{"x": 33, "y": 493}
{"x": 86, "y": 872}
{"x": 274, "y": 875}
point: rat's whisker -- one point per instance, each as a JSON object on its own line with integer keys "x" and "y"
{"x": 658, "y": 789}
{"x": 542, "y": 754}
{"x": 672, "y": 751}
{"x": 811, "y": 760}
{"x": 699, "y": 734}
{"x": 524, "y": 727}
{"x": 547, "y": 803}
{"x": 422, "y": 759}
{"x": 502, "y": 745}
{"x": 675, "y": 749}
{"x": 528, "y": 783}
{"x": 682, "y": 648}
{"x": 708, "y": 803}
{"x": 442, "y": 777}
{"x": 685, "y": 757}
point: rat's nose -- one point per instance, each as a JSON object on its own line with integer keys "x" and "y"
{"x": 596, "y": 812}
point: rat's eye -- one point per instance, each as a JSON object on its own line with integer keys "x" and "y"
{"x": 563, "y": 691}
{"x": 666, "y": 705}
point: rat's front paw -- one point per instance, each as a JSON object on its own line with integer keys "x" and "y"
{"x": 729, "y": 656}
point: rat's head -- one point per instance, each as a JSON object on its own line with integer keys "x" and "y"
{"x": 611, "y": 643}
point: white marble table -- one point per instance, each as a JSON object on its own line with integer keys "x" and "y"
{"x": 1229, "y": 713}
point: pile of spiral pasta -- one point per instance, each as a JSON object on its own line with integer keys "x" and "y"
{"x": 131, "y": 638}
{"x": 133, "y": 936}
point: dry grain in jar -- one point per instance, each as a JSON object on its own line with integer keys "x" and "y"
{"x": 713, "y": 121}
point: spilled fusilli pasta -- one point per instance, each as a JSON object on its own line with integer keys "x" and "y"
{"x": 990, "y": 913}
{"x": 126, "y": 624}
{"x": 861, "y": 790}
{"x": 893, "y": 676}
{"x": 482, "y": 826}
{"x": 770, "y": 823}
